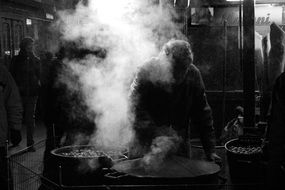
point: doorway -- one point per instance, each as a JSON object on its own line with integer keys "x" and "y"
{"x": 11, "y": 35}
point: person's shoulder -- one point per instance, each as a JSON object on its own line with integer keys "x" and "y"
{"x": 150, "y": 64}
{"x": 148, "y": 67}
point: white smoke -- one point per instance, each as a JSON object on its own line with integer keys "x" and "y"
{"x": 161, "y": 148}
{"x": 131, "y": 31}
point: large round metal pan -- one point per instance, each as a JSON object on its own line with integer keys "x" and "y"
{"x": 175, "y": 170}
{"x": 175, "y": 167}
{"x": 92, "y": 152}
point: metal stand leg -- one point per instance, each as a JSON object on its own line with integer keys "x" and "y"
{"x": 60, "y": 177}
{"x": 8, "y": 166}
{"x": 53, "y": 136}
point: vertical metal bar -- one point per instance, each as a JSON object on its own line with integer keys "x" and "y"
{"x": 60, "y": 176}
{"x": 186, "y": 19}
{"x": 224, "y": 73}
{"x": 283, "y": 14}
{"x": 7, "y": 166}
{"x": 248, "y": 63}
{"x": 53, "y": 136}
{"x": 240, "y": 35}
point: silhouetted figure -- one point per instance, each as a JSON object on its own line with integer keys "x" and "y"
{"x": 46, "y": 63}
{"x": 25, "y": 69}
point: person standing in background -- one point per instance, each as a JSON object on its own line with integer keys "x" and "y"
{"x": 10, "y": 118}
{"x": 25, "y": 68}
{"x": 46, "y": 64}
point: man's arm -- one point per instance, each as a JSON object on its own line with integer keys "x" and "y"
{"x": 142, "y": 122}
{"x": 202, "y": 115}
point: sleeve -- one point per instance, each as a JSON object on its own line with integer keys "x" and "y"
{"x": 202, "y": 115}
{"x": 13, "y": 104}
{"x": 141, "y": 120}
{"x": 143, "y": 123}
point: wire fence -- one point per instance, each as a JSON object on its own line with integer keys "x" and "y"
{"x": 26, "y": 167}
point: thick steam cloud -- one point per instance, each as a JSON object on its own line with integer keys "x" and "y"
{"x": 131, "y": 32}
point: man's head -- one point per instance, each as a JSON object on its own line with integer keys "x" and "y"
{"x": 27, "y": 44}
{"x": 179, "y": 53}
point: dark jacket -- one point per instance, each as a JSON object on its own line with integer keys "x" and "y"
{"x": 276, "y": 135}
{"x": 26, "y": 71}
{"x": 277, "y": 120}
{"x": 10, "y": 105}
{"x": 158, "y": 105}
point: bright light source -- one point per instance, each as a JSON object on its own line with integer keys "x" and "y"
{"x": 7, "y": 52}
{"x": 49, "y": 16}
{"x": 188, "y": 3}
{"x": 16, "y": 52}
{"x": 28, "y": 21}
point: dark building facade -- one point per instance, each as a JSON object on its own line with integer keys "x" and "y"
{"x": 20, "y": 18}
{"x": 34, "y": 18}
